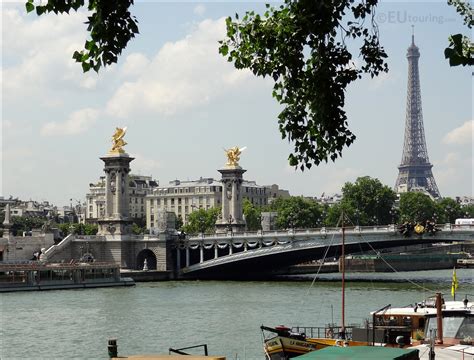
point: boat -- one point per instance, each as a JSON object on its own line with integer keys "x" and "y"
{"x": 390, "y": 327}
{"x": 282, "y": 343}
{"x": 41, "y": 275}
{"x": 453, "y": 321}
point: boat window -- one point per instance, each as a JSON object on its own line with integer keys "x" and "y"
{"x": 466, "y": 329}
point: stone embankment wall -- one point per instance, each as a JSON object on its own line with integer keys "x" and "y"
{"x": 17, "y": 248}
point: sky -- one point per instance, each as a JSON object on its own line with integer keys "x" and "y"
{"x": 183, "y": 103}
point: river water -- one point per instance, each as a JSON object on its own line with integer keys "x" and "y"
{"x": 226, "y": 315}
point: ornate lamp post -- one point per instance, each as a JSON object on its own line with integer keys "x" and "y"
{"x": 393, "y": 212}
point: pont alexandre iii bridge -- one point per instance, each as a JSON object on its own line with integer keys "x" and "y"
{"x": 230, "y": 253}
{"x": 237, "y": 255}
{"x": 240, "y": 255}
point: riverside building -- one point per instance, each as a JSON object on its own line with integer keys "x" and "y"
{"x": 184, "y": 197}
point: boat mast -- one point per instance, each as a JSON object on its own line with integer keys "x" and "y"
{"x": 343, "y": 330}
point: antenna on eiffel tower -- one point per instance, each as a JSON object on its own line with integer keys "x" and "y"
{"x": 415, "y": 169}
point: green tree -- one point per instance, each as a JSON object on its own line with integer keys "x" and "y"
{"x": 368, "y": 201}
{"x": 179, "y": 223}
{"x": 297, "y": 212}
{"x": 461, "y": 48}
{"x": 202, "y": 221}
{"x": 416, "y": 207}
{"x": 303, "y": 46}
{"x": 468, "y": 211}
{"x": 137, "y": 229}
{"x": 252, "y": 214}
{"x": 78, "y": 228}
{"x": 448, "y": 210}
{"x": 26, "y": 223}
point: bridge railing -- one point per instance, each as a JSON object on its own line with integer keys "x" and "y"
{"x": 321, "y": 230}
{"x": 295, "y": 231}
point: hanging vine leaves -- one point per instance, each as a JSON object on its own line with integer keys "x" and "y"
{"x": 302, "y": 46}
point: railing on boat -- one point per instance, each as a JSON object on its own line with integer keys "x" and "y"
{"x": 330, "y": 331}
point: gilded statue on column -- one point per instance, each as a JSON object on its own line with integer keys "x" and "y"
{"x": 117, "y": 141}
{"x": 233, "y": 155}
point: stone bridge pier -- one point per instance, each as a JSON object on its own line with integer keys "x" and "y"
{"x": 128, "y": 251}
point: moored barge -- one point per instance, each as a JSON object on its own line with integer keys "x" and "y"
{"x": 38, "y": 275}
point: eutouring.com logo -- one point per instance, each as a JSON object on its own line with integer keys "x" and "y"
{"x": 402, "y": 17}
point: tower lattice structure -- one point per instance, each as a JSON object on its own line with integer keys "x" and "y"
{"x": 415, "y": 169}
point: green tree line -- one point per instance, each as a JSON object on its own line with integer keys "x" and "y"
{"x": 366, "y": 202}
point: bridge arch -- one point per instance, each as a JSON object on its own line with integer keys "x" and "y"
{"x": 150, "y": 259}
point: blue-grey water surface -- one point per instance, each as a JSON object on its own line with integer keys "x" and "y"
{"x": 226, "y": 315}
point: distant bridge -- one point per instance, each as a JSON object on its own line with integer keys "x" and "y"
{"x": 254, "y": 254}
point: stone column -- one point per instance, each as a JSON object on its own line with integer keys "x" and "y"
{"x": 7, "y": 223}
{"x": 178, "y": 258}
{"x": 108, "y": 194}
{"x": 116, "y": 220}
{"x": 231, "y": 216}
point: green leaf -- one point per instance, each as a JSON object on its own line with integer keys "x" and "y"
{"x": 224, "y": 50}
{"x": 86, "y": 66}
{"x": 29, "y": 6}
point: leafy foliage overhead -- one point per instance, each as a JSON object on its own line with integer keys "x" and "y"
{"x": 110, "y": 24}
{"x": 461, "y": 48}
{"x": 302, "y": 46}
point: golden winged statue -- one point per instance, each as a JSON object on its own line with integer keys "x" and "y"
{"x": 233, "y": 155}
{"x": 117, "y": 141}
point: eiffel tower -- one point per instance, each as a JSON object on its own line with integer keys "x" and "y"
{"x": 415, "y": 169}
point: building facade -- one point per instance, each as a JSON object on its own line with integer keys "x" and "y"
{"x": 274, "y": 192}
{"x": 139, "y": 187}
{"x": 184, "y": 197}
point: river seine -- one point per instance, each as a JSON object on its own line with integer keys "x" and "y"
{"x": 152, "y": 317}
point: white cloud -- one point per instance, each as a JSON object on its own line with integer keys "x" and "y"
{"x": 134, "y": 64}
{"x": 144, "y": 165}
{"x": 448, "y": 169}
{"x": 78, "y": 122}
{"x": 461, "y": 135}
{"x": 186, "y": 73}
{"x": 199, "y": 9}
{"x": 33, "y": 57}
